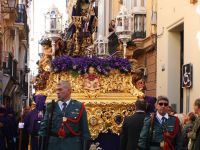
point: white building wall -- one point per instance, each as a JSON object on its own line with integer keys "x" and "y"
{"x": 16, "y": 45}
{"x": 22, "y": 52}
{"x": 103, "y": 17}
{"x": 171, "y": 14}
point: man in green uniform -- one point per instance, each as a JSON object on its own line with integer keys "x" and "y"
{"x": 65, "y": 122}
{"x": 160, "y": 131}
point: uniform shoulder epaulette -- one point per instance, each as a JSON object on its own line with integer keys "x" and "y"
{"x": 172, "y": 116}
{"x": 147, "y": 118}
{"x": 77, "y": 102}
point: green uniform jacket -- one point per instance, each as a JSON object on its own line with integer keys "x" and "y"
{"x": 70, "y": 142}
{"x": 157, "y": 136}
{"x": 194, "y": 135}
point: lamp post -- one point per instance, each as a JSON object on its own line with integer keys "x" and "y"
{"x": 10, "y": 6}
{"x": 124, "y": 27}
{"x": 12, "y": 3}
{"x": 40, "y": 52}
{"x": 101, "y": 46}
{"x": 53, "y": 26}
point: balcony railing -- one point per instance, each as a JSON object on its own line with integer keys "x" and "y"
{"x": 22, "y": 15}
{"x": 139, "y": 35}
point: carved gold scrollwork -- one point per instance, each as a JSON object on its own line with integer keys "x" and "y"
{"x": 95, "y": 121}
{"x": 107, "y": 104}
{"x": 114, "y": 83}
{"x": 104, "y": 117}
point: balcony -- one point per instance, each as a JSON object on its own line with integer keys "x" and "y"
{"x": 21, "y": 21}
{"x": 139, "y": 35}
{"x": 193, "y": 1}
{"x": 21, "y": 11}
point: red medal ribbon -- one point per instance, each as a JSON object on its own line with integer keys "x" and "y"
{"x": 61, "y": 131}
{"x": 168, "y": 136}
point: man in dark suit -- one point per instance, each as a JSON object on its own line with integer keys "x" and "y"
{"x": 132, "y": 127}
{"x": 69, "y": 125}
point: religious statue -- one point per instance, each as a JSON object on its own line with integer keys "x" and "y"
{"x": 45, "y": 61}
{"x": 91, "y": 80}
{"x": 138, "y": 80}
{"x": 60, "y": 48}
{"x": 40, "y": 81}
{"x": 95, "y": 146}
{"x": 91, "y": 83}
{"x": 82, "y": 7}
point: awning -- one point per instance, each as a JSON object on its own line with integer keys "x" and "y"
{"x": 6, "y": 79}
{"x": 8, "y": 85}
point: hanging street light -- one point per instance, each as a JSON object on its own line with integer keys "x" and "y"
{"x": 53, "y": 26}
{"x": 12, "y": 3}
{"x": 9, "y": 6}
{"x": 124, "y": 27}
{"x": 101, "y": 46}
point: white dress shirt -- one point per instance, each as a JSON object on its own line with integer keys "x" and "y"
{"x": 60, "y": 103}
{"x": 159, "y": 117}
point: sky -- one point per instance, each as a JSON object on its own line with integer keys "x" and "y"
{"x": 37, "y": 27}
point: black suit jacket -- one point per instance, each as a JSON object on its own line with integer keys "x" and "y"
{"x": 131, "y": 129}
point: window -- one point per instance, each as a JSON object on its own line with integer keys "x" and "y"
{"x": 139, "y": 23}
{"x": 142, "y": 3}
{"x": 135, "y": 3}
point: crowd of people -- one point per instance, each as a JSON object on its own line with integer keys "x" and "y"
{"x": 8, "y": 128}
{"x": 55, "y": 126}
{"x": 162, "y": 129}
{"x": 153, "y": 126}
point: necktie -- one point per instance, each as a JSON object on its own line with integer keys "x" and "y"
{"x": 163, "y": 120}
{"x": 64, "y": 108}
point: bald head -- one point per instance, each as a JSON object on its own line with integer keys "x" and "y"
{"x": 63, "y": 90}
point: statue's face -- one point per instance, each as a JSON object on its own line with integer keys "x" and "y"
{"x": 45, "y": 46}
{"x": 89, "y": 41}
{"x": 140, "y": 84}
{"x": 91, "y": 70}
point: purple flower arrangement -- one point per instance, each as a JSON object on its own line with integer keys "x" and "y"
{"x": 81, "y": 64}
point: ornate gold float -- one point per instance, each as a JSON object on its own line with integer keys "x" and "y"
{"x": 108, "y": 99}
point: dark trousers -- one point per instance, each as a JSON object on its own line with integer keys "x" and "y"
{"x": 34, "y": 142}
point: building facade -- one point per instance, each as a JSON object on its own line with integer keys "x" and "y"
{"x": 14, "y": 51}
{"x": 142, "y": 48}
{"x": 178, "y": 44}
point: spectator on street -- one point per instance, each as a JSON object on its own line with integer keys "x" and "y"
{"x": 194, "y": 135}
{"x": 132, "y": 126}
{"x": 187, "y": 127}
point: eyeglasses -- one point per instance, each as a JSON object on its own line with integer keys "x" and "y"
{"x": 163, "y": 104}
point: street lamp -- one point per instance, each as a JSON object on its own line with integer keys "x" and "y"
{"x": 9, "y": 6}
{"x": 101, "y": 46}
{"x": 124, "y": 27}
{"x": 53, "y": 26}
{"x": 40, "y": 52}
{"x": 12, "y": 3}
